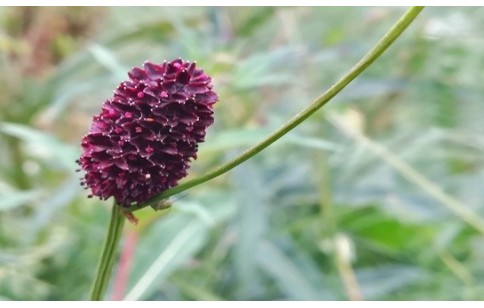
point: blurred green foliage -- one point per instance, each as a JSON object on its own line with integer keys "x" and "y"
{"x": 323, "y": 214}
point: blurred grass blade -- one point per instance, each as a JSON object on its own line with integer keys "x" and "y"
{"x": 285, "y": 273}
{"x": 382, "y": 280}
{"x": 454, "y": 205}
{"x": 263, "y": 69}
{"x": 14, "y": 199}
{"x": 57, "y": 199}
{"x": 181, "y": 246}
{"x": 313, "y": 143}
{"x": 108, "y": 59}
{"x": 195, "y": 292}
{"x": 252, "y": 223}
{"x": 44, "y": 145}
{"x": 70, "y": 92}
{"x": 174, "y": 239}
{"x": 231, "y": 139}
{"x": 255, "y": 20}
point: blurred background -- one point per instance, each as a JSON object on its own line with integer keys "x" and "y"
{"x": 378, "y": 196}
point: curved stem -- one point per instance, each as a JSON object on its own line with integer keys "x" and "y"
{"x": 385, "y": 42}
{"x": 108, "y": 254}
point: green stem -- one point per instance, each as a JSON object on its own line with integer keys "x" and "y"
{"x": 108, "y": 254}
{"x": 385, "y": 42}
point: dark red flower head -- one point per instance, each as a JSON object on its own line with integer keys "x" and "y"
{"x": 147, "y": 133}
